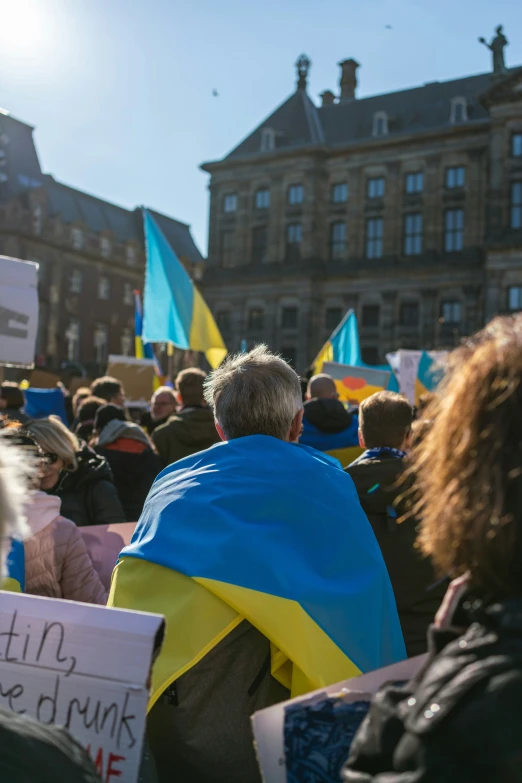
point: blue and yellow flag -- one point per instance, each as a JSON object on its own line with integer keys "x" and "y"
{"x": 14, "y": 580}
{"x": 273, "y": 533}
{"x": 175, "y": 311}
{"x": 342, "y": 346}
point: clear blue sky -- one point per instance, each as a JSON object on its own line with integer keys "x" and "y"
{"x": 120, "y": 91}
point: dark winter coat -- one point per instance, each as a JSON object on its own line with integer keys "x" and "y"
{"x": 134, "y": 467}
{"x": 329, "y": 427}
{"x": 418, "y": 592}
{"x": 88, "y": 494}
{"x": 187, "y": 432}
{"x": 459, "y": 720}
{"x": 33, "y": 753}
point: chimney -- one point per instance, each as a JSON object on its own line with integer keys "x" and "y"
{"x": 328, "y": 98}
{"x": 348, "y": 79}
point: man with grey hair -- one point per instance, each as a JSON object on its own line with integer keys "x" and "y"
{"x": 259, "y": 555}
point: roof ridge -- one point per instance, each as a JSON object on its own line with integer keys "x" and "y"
{"x": 313, "y": 119}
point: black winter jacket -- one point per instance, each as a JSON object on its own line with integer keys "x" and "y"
{"x": 418, "y": 592}
{"x": 460, "y": 719}
{"x": 88, "y": 494}
{"x": 33, "y": 753}
{"x": 134, "y": 474}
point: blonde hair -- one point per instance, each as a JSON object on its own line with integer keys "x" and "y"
{"x": 54, "y": 437}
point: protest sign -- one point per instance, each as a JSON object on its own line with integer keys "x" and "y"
{"x": 18, "y": 311}
{"x": 105, "y": 543}
{"x": 356, "y": 383}
{"x": 413, "y": 378}
{"x": 268, "y": 724}
{"x": 83, "y": 667}
{"x": 136, "y": 375}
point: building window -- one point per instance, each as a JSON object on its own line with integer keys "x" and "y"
{"x": 227, "y": 248}
{"x": 337, "y": 240}
{"x": 105, "y": 247}
{"x": 256, "y": 319}
{"x": 370, "y": 354}
{"x": 100, "y": 343}
{"x": 333, "y": 317}
{"x": 380, "y": 124}
{"x": 104, "y": 288}
{"x": 450, "y": 312}
{"x": 516, "y": 145}
{"x": 374, "y": 238}
{"x": 294, "y": 235}
{"x": 223, "y": 321}
{"x": 340, "y": 193}
{"x": 516, "y": 204}
{"x": 72, "y": 336}
{"x": 262, "y": 198}
{"x": 370, "y": 315}
{"x": 414, "y": 182}
{"x": 289, "y": 318}
{"x": 409, "y": 314}
{"x": 126, "y": 342}
{"x": 515, "y": 298}
{"x": 295, "y": 194}
{"x": 289, "y": 355}
{"x": 455, "y": 177}
{"x": 259, "y": 244}
{"x": 413, "y": 234}
{"x": 376, "y": 187}
{"x": 268, "y": 139}
{"x": 459, "y": 110}
{"x": 130, "y": 255}
{"x": 230, "y": 203}
{"x": 453, "y": 230}
{"x": 128, "y": 294}
{"x": 76, "y": 282}
{"x": 37, "y": 215}
{"x": 77, "y": 238}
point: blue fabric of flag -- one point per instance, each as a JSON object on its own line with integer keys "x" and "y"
{"x": 294, "y": 529}
{"x": 40, "y": 403}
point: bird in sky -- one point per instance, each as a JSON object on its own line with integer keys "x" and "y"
{"x": 388, "y": 27}
{"x": 215, "y": 93}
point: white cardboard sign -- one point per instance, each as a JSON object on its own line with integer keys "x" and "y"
{"x": 268, "y": 724}
{"x": 80, "y": 666}
{"x": 18, "y": 311}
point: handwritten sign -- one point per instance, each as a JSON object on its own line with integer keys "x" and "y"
{"x": 83, "y": 667}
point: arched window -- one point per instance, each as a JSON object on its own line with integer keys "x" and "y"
{"x": 380, "y": 124}
{"x": 459, "y": 110}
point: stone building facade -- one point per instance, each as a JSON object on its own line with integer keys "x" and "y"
{"x": 406, "y": 207}
{"x": 91, "y": 256}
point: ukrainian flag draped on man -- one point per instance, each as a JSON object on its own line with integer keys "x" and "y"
{"x": 287, "y": 548}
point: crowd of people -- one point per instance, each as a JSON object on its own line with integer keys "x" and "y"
{"x": 291, "y": 541}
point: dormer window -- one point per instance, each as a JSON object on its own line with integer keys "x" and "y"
{"x": 268, "y": 137}
{"x": 380, "y": 124}
{"x": 459, "y": 110}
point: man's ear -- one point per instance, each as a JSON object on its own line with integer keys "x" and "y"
{"x": 362, "y": 444}
{"x": 178, "y": 398}
{"x": 220, "y": 431}
{"x": 295, "y": 427}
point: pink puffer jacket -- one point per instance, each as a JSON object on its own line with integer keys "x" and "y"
{"x": 57, "y": 563}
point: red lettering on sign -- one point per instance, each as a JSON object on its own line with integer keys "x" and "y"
{"x": 112, "y": 772}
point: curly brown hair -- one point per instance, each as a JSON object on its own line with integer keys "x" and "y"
{"x": 468, "y": 467}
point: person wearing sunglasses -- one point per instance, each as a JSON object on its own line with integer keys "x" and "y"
{"x": 77, "y": 475}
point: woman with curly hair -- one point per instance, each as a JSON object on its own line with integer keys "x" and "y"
{"x": 460, "y": 718}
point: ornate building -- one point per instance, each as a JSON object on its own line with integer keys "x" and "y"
{"x": 91, "y": 256}
{"x": 406, "y": 207}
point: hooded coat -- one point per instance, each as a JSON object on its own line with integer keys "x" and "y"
{"x": 57, "y": 563}
{"x": 133, "y": 462}
{"x": 88, "y": 494}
